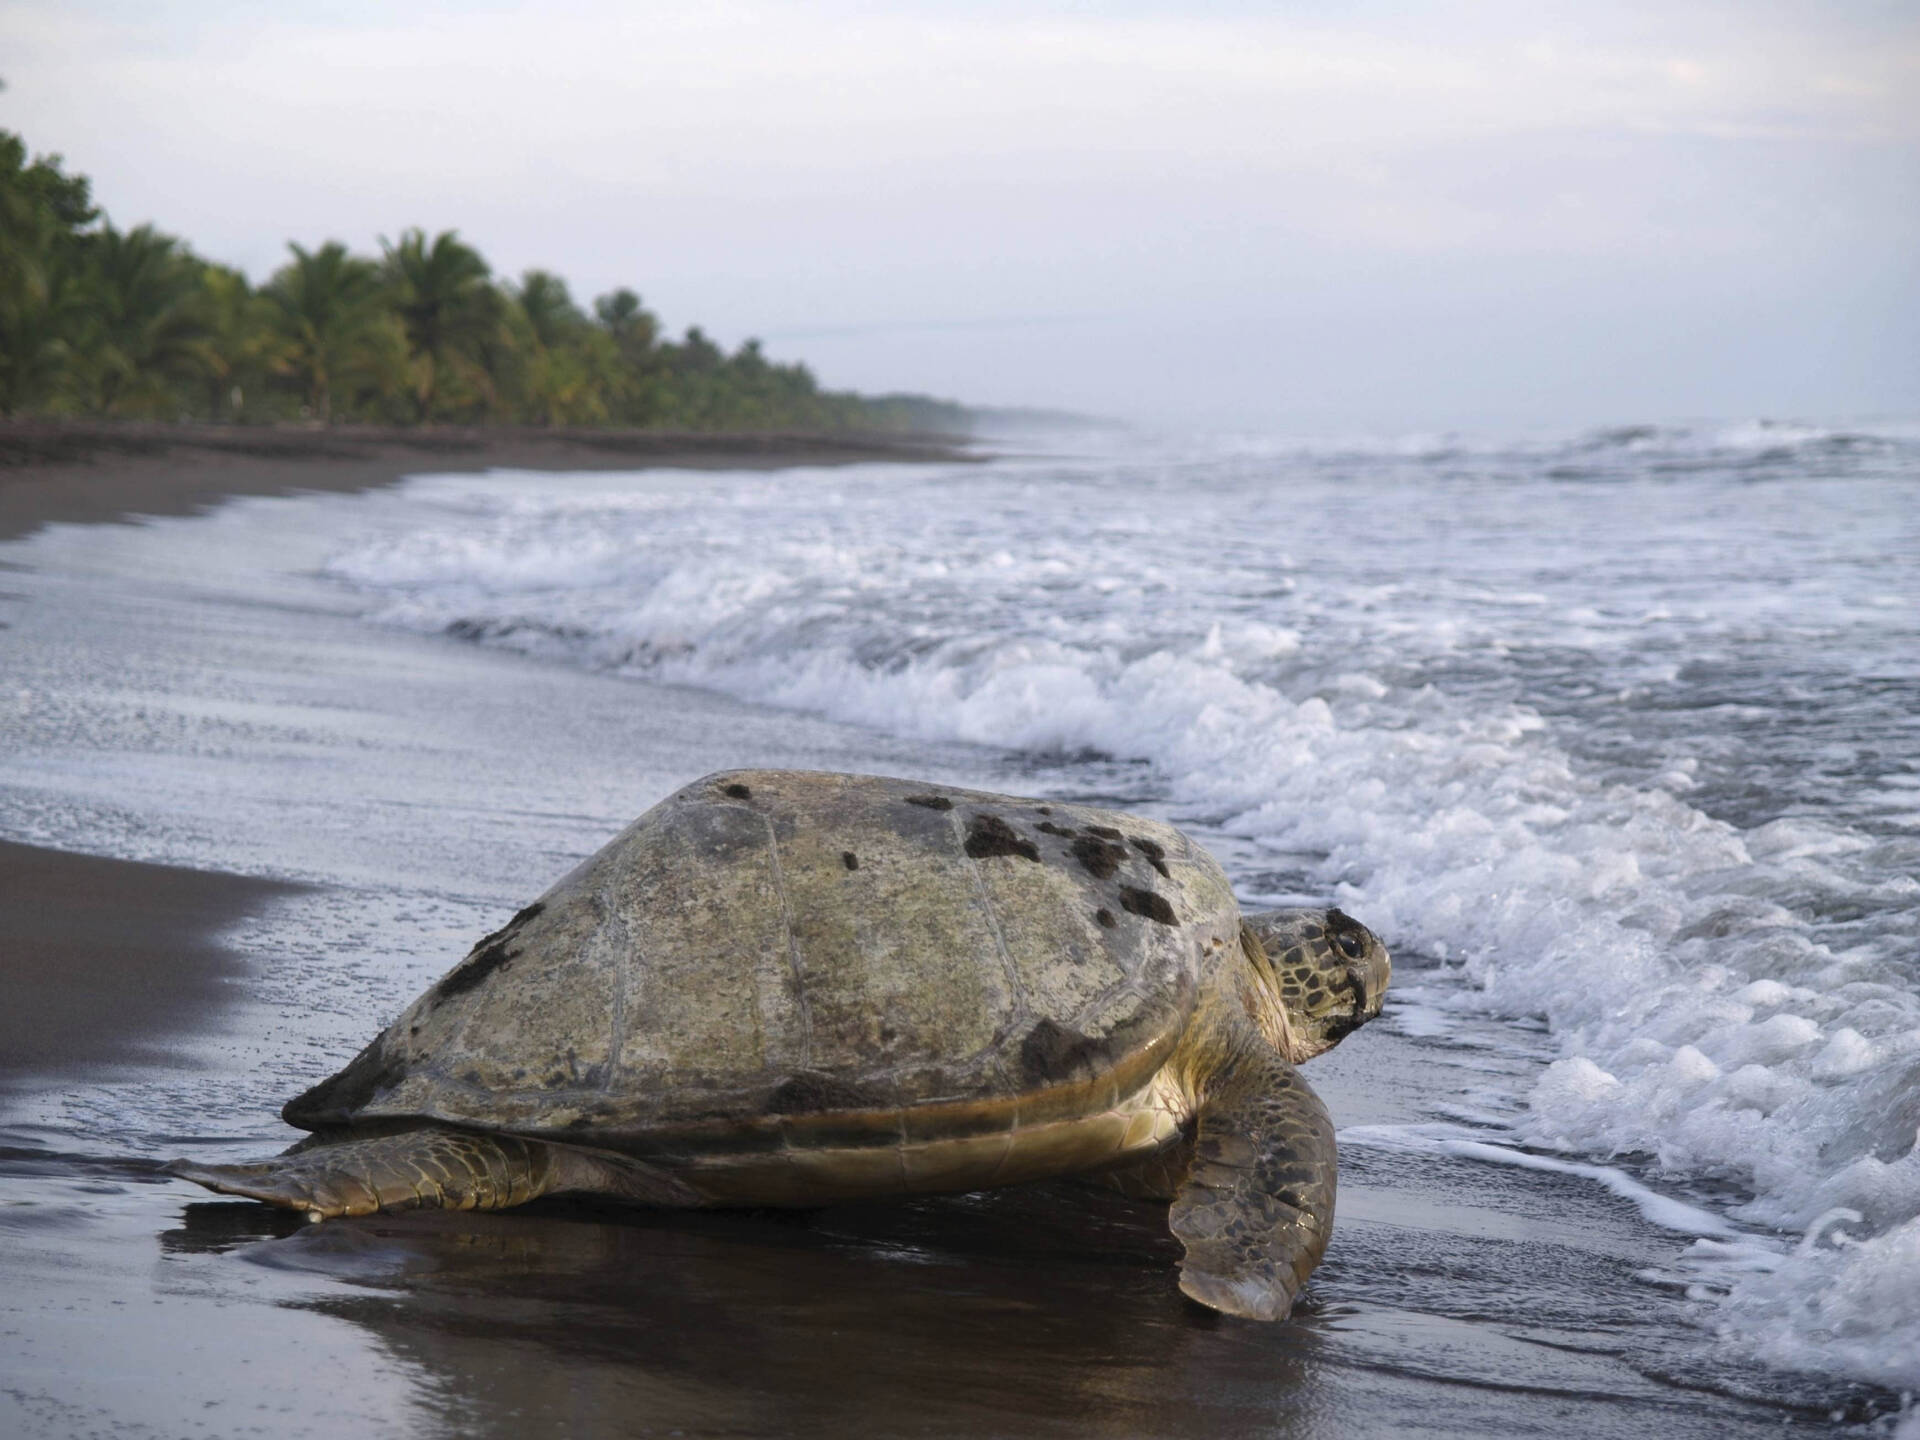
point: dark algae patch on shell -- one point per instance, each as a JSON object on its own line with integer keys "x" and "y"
{"x": 850, "y": 860}
{"x": 484, "y": 963}
{"x": 1148, "y": 904}
{"x": 990, "y": 835}
{"x": 489, "y": 955}
{"x": 333, "y": 1100}
{"x": 740, "y": 792}
{"x": 1052, "y": 1053}
{"x": 1152, "y": 849}
{"x": 1100, "y": 857}
{"x": 930, "y": 802}
{"x": 809, "y": 1092}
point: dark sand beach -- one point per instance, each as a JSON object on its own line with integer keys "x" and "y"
{"x": 53, "y": 471}
{"x": 160, "y": 1009}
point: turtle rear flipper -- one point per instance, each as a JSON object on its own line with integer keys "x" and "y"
{"x": 1256, "y": 1210}
{"x": 435, "y": 1169}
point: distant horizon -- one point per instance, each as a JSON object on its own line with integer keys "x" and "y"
{"x": 1889, "y": 425}
{"x": 1394, "y": 219}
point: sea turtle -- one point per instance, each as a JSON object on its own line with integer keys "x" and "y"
{"x": 791, "y": 988}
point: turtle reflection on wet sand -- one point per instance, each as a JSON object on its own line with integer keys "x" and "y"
{"x": 788, "y": 988}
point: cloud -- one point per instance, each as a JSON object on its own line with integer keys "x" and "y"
{"x": 845, "y": 166}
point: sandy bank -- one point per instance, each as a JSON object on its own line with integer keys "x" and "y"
{"x": 90, "y": 471}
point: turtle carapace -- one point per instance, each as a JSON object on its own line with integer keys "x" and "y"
{"x": 793, "y": 988}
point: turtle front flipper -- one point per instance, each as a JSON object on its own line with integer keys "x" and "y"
{"x": 1256, "y": 1210}
{"x": 434, "y": 1169}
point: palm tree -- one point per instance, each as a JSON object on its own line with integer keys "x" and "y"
{"x": 144, "y": 331}
{"x": 630, "y": 323}
{"x": 42, "y": 213}
{"x": 565, "y": 362}
{"x": 549, "y": 310}
{"x": 241, "y": 341}
{"x": 634, "y": 381}
{"x": 445, "y": 298}
{"x": 326, "y": 310}
{"x": 40, "y": 310}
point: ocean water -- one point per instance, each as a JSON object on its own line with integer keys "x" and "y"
{"x": 1615, "y": 738}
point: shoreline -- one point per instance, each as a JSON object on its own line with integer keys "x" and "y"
{"x": 84, "y": 472}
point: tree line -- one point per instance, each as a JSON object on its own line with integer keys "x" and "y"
{"x": 99, "y": 321}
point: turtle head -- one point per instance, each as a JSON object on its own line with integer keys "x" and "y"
{"x": 1328, "y": 971}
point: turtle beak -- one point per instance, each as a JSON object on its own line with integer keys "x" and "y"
{"x": 1364, "y": 1008}
{"x": 1367, "y": 983}
{"x": 1373, "y": 975}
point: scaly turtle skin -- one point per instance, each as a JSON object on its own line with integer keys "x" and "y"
{"x": 790, "y": 988}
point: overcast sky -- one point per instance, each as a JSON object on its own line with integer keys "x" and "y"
{"x": 1314, "y": 216}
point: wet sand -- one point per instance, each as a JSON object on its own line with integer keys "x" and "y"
{"x": 1457, "y": 1298}
{"x": 107, "y": 960}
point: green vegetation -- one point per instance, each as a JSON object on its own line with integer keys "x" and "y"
{"x": 99, "y": 321}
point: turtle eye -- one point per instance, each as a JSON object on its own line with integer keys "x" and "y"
{"x": 1350, "y": 944}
